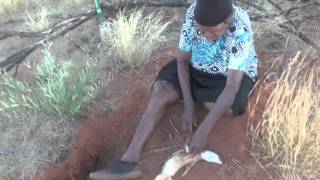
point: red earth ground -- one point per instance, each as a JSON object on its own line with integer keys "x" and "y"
{"x": 102, "y": 140}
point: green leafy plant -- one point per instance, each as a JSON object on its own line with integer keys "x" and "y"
{"x": 36, "y": 119}
{"x": 64, "y": 89}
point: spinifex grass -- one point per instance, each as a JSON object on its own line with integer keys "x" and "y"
{"x": 37, "y": 21}
{"x": 289, "y": 135}
{"x": 9, "y": 6}
{"x": 131, "y": 38}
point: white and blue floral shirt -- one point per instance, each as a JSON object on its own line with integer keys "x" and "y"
{"x": 233, "y": 50}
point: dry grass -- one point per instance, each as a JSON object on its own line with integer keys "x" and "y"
{"x": 37, "y": 21}
{"x": 14, "y": 8}
{"x": 131, "y": 38}
{"x": 289, "y": 136}
{"x": 31, "y": 142}
{"x": 9, "y": 6}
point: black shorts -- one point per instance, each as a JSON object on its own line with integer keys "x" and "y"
{"x": 206, "y": 87}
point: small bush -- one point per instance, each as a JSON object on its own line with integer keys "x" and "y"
{"x": 64, "y": 89}
{"x": 132, "y": 38}
{"x": 289, "y": 136}
{"x": 59, "y": 90}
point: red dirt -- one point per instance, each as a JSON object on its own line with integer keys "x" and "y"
{"x": 101, "y": 140}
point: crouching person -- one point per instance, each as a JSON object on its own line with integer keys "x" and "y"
{"x": 216, "y": 65}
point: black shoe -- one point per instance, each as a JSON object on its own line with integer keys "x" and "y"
{"x": 118, "y": 170}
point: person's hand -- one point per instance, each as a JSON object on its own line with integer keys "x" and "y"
{"x": 187, "y": 121}
{"x": 199, "y": 139}
{"x": 187, "y": 118}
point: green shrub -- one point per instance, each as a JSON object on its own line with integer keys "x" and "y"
{"x": 59, "y": 89}
{"x": 63, "y": 89}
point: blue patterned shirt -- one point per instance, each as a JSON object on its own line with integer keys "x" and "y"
{"x": 233, "y": 50}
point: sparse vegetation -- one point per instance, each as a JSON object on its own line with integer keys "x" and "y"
{"x": 131, "y": 38}
{"x": 60, "y": 89}
{"x": 34, "y": 7}
{"x": 289, "y": 136}
{"x": 36, "y": 120}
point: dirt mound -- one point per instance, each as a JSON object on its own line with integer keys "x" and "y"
{"x": 101, "y": 140}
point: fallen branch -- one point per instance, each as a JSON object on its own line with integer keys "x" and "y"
{"x": 301, "y": 36}
{"x": 7, "y": 34}
{"x": 58, "y": 30}
{"x": 17, "y": 57}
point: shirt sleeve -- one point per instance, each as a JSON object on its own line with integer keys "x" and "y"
{"x": 240, "y": 49}
{"x": 186, "y": 35}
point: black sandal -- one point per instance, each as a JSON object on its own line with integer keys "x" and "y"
{"x": 118, "y": 170}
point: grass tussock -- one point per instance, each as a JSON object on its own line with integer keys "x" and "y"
{"x": 9, "y": 6}
{"x": 37, "y": 21}
{"x": 36, "y": 120}
{"x": 289, "y": 136}
{"x": 131, "y": 38}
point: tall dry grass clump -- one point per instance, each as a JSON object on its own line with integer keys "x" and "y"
{"x": 289, "y": 136}
{"x": 7, "y": 6}
{"x": 131, "y": 38}
{"x": 37, "y": 21}
{"x": 15, "y": 8}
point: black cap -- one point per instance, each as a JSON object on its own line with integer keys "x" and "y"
{"x": 212, "y": 12}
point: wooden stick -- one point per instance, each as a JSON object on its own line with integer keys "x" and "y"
{"x": 174, "y": 127}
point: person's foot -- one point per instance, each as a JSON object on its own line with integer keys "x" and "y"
{"x": 118, "y": 170}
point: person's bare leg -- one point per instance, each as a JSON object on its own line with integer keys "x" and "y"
{"x": 162, "y": 95}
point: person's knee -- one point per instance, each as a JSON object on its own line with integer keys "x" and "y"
{"x": 239, "y": 107}
{"x": 209, "y": 106}
{"x": 164, "y": 93}
{"x": 239, "y": 111}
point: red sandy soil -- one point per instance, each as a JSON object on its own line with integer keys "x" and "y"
{"x": 102, "y": 140}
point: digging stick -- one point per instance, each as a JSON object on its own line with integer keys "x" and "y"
{"x": 101, "y": 19}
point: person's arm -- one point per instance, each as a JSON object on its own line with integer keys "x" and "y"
{"x": 223, "y": 103}
{"x": 183, "y": 61}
